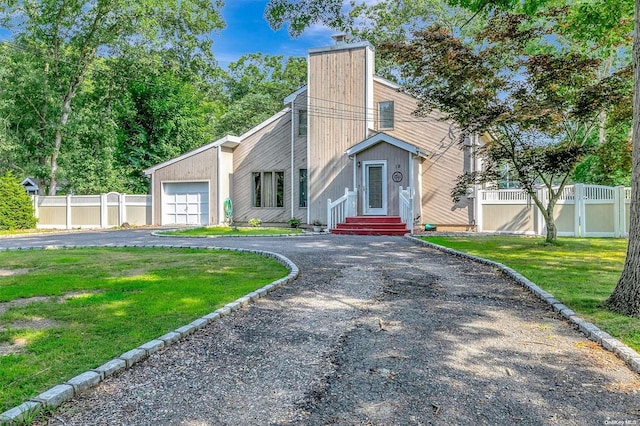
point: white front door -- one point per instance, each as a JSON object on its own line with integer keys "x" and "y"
{"x": 374, "y": 184}
{"x": 185, "y": 203}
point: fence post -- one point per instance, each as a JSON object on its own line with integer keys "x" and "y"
{"x": 579, "y": 225}
{"x": 68, "y": 211}
{"x": 478, "y": 209}
{"x": 622, "y": 211}
{"x": 36, "y": 210}
{"x": 104, "y": 211}
{"x": 122, "y": 209}
{"x": 540, "y": 218}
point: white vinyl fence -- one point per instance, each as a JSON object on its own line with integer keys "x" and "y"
{"x": 581, "y": 211}
{"x": 92, "y": 211}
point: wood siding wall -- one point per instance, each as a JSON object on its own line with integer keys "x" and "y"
{"x": 268, "y": 150}
{"x": 337, "y": 121}
{"x": 397, "y": 161}
{"x": 299, "y": 157}
{"x": 199, "y": 167}
{"x": 446, "y": 160}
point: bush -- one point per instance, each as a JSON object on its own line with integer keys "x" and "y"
{"x": 16, "y": 209}
{"x": 255, "y": 222}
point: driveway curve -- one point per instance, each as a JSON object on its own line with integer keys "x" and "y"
{"x": 375, "y": 330}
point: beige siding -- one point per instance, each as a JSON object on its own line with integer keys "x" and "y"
{"x": 299, "y": 157}
{"x": 225, "y": 183}
{"x": 198, "y": 167}
{"x": 268, "y": 150}
{"x": 446, "y": 160}
{"x": 397, "y": 161}
{"x": 337, "y": 102}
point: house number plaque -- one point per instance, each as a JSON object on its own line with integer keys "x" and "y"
{"x": 397, "y": 177}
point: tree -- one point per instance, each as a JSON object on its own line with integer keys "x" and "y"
{"x": 16, "y": 209}
{"x": 255, "y": 86}
{"x": 68, "y": 36}
{"x": 538, "y": 104}
{"x": 626, "y": 296}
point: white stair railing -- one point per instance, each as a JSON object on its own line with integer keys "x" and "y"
{"x": 340, "y": 209}
{"x": 406, "y": 207}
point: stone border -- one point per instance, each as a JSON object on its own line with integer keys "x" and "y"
{"x": 608, "y": 342}
{"x": 61, "y": 393}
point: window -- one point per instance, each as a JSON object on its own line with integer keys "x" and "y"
{"x": 268, "y": 189}
{"x": 385, "y": 115}
{"x": 303, "y": 188}
{"x": 302, "y": 123}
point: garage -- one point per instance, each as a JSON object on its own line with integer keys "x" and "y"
{"x": 185, "y": 203}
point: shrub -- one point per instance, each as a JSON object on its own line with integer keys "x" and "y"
{"x": 294, "y": 222}
{"x": 255, "y": 222}
{"x": 16, "y": 209}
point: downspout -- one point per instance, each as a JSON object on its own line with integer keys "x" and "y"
{"x": 219, "y": 204}
{"x": 292, "y": 162}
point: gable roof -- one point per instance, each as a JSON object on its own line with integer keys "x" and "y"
{"x": 228, "y": 141}
{"x": 292, "y": 97}
{"x": 383, "y": 137}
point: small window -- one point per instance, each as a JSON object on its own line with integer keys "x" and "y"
{"x": 385, "y": 115}
{"x": 302, "y": 123}
{"x": 268, "y": 189}
{"x": 303, "y": 188}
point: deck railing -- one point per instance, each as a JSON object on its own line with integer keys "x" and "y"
{"x": 340, "y": 209}
{"x": 406, "y": 207}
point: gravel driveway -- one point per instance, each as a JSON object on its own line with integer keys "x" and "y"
{"x": 375, "y": 331}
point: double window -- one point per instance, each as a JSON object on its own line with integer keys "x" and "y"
{"x": 385, "y": 115}
{"x": 268, "y": 189}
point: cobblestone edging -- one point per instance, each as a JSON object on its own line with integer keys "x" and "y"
{"x": 628, "y": 355}
{"x": 60, "y": 393}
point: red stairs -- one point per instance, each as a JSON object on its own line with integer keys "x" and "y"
{"x": 371, "y": 225}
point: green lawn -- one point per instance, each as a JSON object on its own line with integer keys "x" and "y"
{"x": 580, "y": 272}
{"x": 102, "y": 302}
{"x": 228, "y": 231}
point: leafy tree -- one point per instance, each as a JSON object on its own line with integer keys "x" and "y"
{"x": 16, "y": 209}
{"x": 538, "y": 107}
{"x": 255, "y": 86}
{"x": 67, "y": 37}
{"x": 160, "y": 114}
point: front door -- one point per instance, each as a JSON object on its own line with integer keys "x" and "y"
{"x": 374, "y": 188}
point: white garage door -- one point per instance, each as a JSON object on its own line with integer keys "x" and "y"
{"x": 185, "y": 203}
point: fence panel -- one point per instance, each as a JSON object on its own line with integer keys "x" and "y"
{"x": 92, "y": 211}
{"x": 581, "y": 210}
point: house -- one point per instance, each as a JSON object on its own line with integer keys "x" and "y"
{"x": 346, "y": 129}
{"x": 31, "y": 185}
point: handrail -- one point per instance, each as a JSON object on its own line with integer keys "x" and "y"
{"x": 340, "y": 209}
{"x": 406, "y": 207}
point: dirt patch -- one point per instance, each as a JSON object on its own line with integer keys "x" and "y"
{"x": 4, "y": 306}
{"x": 11, "y": 272}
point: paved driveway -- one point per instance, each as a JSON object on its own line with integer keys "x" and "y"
{"x": 375, "y": 330}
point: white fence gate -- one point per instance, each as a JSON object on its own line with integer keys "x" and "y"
{"x": 581, "y": 211}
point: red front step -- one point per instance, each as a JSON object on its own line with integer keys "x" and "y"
{"x": 371, "y": 225}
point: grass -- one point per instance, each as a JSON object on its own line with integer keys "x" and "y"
{"x": 102, "y": 302}
{"x": 229, "y": 231}
{"x": 580, "y": 272}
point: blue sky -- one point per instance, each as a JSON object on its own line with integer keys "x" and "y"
{"x": 248, "y": 32}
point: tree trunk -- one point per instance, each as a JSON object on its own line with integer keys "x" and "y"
{"x": 626, "y": 296}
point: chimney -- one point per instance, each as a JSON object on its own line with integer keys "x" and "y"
{"x": 340, "y": 38}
